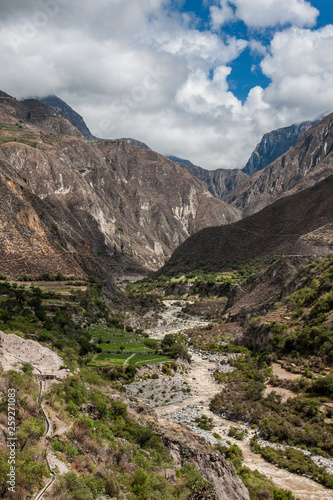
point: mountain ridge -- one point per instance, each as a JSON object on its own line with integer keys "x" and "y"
{"x": 303, "y": 165}
{"x": 273, "y": 144}
{"x": 275, "y": 230}
{"x": 128, "y": 205}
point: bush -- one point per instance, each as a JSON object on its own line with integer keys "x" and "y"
{"x": 323, "y": 386}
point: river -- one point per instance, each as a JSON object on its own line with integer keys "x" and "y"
{"x": 203, "y": 389}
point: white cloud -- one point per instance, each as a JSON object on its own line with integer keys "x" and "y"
{"x": 265, "y": 13}
{"x": 301, "y": 68}
{"x": 221, "y": 15}
{"x": 132, "y": 69}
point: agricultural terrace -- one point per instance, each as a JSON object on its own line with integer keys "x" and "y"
{"x": 124, "y": 347}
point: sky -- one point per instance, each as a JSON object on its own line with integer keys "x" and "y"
{"x": 198, "y": 79}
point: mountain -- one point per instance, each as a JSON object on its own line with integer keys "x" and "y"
{"x": 35, "y": 114}
{"x": 285, "y": 227}
{"x": 225, "y": 184}
{"x": 134, "y": 142}
{"x": 221, "y": 182}
{"x": 306, "y": 163}
{"x": 274, "y": 144}
{"x": 93, "y": 205}
{"x": 67, "y": 112}
{"x": 181, "y": 161}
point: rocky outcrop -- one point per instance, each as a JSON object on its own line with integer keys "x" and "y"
{"x": 222, "y": 183}
{"x": 315, "y": 242}
{"x": 302, "y": 166}
{"x": 274, "y": 144}
{"x": 257, "y": 295}
{"x": 134, "y": 142}
{"x": 184, "y": 446}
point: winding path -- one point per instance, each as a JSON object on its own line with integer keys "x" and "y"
{"x": 52, "y": 461}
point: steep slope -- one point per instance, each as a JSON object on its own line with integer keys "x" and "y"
{"x": 67, "y": 112}
{"x": 35, "y": 238}
{"x": 276, "y": 230}
{"x": 302, "y": 166}
{"x": 134, "y": 142}
{"x": 127, "y": 204}
{"x": 222, "y": 183}
{"x": 34, "y": 113}
{"x": 274, "y": 144}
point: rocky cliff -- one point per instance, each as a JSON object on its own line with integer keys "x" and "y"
{"x": 67, "y": 112}
{"x": 184, "y": 446}
{"x": 222, "y": 183}
{"x": 306, "y": 163}
{"x": 274, "y": 144}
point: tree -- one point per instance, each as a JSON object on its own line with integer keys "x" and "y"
{"x": 30, "y": 431}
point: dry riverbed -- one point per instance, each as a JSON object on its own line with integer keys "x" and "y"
{"x": 191, "y": 405}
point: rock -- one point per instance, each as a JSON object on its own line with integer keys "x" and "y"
{"x": 170, "y": 475}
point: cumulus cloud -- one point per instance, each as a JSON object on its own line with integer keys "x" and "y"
{"x": 264, "y": 13}
{"x": 221, "y": 14}
{"x": 301, "y": 70}
{"x": 138, "y": 69}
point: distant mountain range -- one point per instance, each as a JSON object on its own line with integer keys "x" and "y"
{"x": 90, "y": 207}
{"x": 80, "y": 205}
{"x": 303, "y": 165}
{"x": 303, "y": 147}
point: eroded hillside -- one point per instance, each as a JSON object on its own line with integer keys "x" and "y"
{"x": 123, "y": 204}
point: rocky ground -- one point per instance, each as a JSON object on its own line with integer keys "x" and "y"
{"x": 196, "y": 404}
{"x": 162, "y": 391}
{"x": 14, "y": 351}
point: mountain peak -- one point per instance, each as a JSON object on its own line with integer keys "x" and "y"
{"x": 67, "y": 112}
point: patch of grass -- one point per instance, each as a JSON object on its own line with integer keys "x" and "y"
{"x": 145, "y": 359}
{"x": 131, "y": 346}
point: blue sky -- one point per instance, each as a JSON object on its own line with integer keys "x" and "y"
{"x": 246, "y": 72}
{"x": 202, "y": 80}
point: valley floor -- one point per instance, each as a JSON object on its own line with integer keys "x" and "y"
{"x": 203, "y": 388}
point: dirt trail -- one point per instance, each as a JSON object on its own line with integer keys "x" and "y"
{"x": 47, "y": 367}
{"x": 283, "y": 375}
{"x": 203, "y": 388}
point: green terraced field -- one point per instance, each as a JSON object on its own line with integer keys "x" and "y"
{"x": 119, "y": 359}
{"x": 109, "y": 360}
{"x": 145, "y": 359}
{"x": 131, "y": 346}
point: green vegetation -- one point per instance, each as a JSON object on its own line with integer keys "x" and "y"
{"x": 312, "y": 304}
{"x": 300, "y": 421}
{"x": 236, "y": 433}
{"x": 256, "y": 483}
{"x": 73, "y": 318}
{"x": 195, "y": 282}
{"x": 30, "y": 427}
{"x": 295, "y": 461}
{"x": 135, "y": 455}
{"x": 17, "y": 133}
{"x": 173, "y": 347}
{"x": 205, "y": 422}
